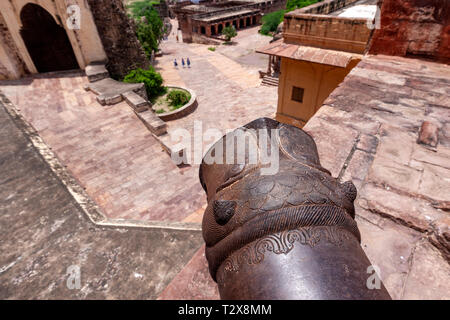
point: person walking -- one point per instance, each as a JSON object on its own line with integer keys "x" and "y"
{"x": 175, "y": 64}
{"x": 182, "y": 62}
{"x": 188, "y": 62}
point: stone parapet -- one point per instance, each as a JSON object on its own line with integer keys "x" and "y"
{"x": 327, "y": 32}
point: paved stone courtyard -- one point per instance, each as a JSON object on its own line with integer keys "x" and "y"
{"x": 111, "y": 153}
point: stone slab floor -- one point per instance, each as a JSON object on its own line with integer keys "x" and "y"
{"x": 44, "y": 232}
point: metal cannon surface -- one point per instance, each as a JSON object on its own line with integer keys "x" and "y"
{"x": 285, "y": 234}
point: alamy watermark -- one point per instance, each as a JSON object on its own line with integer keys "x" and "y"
{"x": 238, "y": 147}
{"x": 73, "y": 277}
{"x": 74, "y": 19}
{"x": 374, "y": 280}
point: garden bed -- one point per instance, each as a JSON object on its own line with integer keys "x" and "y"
{"x": 166, "y": 111}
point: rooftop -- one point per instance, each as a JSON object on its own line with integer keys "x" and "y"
{"x": 311, "y": 54}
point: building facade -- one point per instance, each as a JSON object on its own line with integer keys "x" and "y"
{"x": 208, "y": 18}
{"x": 316, "y": 52}
{"x": 52, "y": 35}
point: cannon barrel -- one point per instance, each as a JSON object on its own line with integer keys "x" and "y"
{"x": 277, "y": 224}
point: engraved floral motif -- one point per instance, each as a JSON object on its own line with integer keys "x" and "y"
{"x": 282, "y": 243}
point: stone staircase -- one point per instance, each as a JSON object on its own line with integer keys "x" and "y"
{"x": 270, "y": 81}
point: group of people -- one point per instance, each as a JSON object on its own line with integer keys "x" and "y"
{"x": 183, "y": 63}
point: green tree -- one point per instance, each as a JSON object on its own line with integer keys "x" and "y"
{"x": 149, "y": 26}
{"x": 138, "y": 8}
{"x": 229, "y": 32}
{"x": 151, "y": 79}
{"x": 271, "y": 21}
{"x": 297, "y": 4}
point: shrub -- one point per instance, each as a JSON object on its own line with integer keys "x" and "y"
{"x": 297, "y": 4}
{"x": 151, "y": 79}
{"x": 160, "y": 111}
{"x": 178, "y": 98}
{"x": 229, "y": 32}
{"x": 271, "y": 21}
{"x": 138, "y": 8}
{"x": 212, "y": 49}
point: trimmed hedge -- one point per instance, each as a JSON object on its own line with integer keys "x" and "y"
{"x": 151, "y": 79}
{"x": 178, "y": 98}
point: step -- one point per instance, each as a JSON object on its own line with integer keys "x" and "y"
{"x": 135, "y": 101}
{"x": 153, "y": 122}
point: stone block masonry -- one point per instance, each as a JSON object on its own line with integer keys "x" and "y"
{"x": 414, "y": 28}
{"x": 118, "y": 36}
{"x": 375, "y": 118}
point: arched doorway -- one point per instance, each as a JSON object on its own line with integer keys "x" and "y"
{"x": 202, "y": 30}
{"x": 248, "y": 22}
{"x": 219, "y": 29}
{"x": 46, "y": 41}
{"x": 213, "y": 30}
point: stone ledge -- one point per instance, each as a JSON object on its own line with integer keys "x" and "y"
{"x": 152, "y": 122}
{"x": 110, "y": 91}
{"x": 135, "y": 101}
{"x": 96, "y": 72}
{"x": 175, "y": 151}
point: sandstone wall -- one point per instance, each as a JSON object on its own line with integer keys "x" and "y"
{"x": 414, "y": 28}
{"x": 118, "y": 36}
{"x": 327, "y": 32}
{"x": 11, "y": 65}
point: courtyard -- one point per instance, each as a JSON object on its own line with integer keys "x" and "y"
{"x": 115, "y": 158}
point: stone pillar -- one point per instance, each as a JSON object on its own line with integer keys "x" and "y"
{"x": 269, "y": 66}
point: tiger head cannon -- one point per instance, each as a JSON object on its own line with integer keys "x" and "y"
{"x": 287, "y": 234}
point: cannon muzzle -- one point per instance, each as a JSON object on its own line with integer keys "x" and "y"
{"x": 277, "y": 224}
